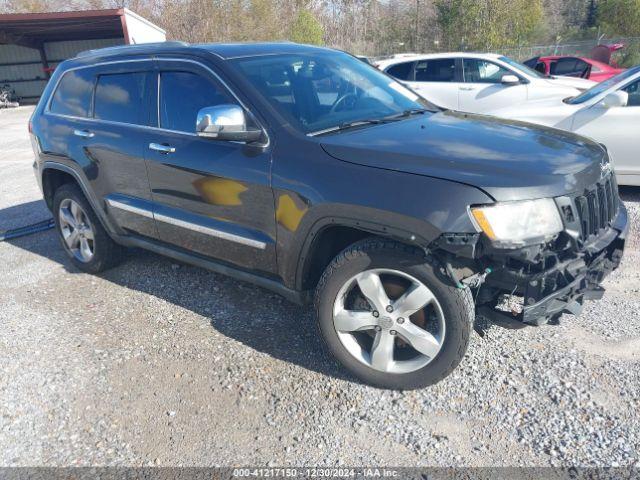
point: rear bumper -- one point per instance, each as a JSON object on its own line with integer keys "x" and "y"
{"x": 565, "y": 287}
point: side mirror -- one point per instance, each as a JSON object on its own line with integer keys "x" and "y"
{"x": 226, "y": 123}
{"x": 510, "y": 79}
{"x": 615, "y": 99}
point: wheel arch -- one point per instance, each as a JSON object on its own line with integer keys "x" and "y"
{"x": 328, "y": 236}
{"x": 54, "y": 175}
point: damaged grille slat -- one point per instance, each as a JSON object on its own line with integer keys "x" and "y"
{"x": 610, "y": 199}
{"x": 602, "y": 201}
{"x": 595, "y": 210}
{"x": 597, "y": 206}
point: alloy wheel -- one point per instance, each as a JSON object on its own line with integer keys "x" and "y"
{"x": 77, "y": 231}
{"x": 389, "y": 320}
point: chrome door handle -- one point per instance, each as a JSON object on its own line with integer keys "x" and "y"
{"x": 83, "y": 133}
{"x": 158, "y": 147}
{"x": 467, "y": 89}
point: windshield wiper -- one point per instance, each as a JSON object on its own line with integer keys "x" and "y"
{"x": 347, "y": 125}
{"x": 406, "y": 113}
{"x": 370, "y": 121}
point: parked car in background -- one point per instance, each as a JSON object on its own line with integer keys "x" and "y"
{"x": 609, "y": 113}
{"x": 575, "y": 67}
{"x": 308, "y": 172}
{"x": 365, "y": 59}
{"x": 395, "y": 56}
{"x": 476, "y": 82}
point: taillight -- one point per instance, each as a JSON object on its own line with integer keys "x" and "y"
{"x": 30, "y": 126}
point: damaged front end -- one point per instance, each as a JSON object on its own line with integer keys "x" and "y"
{"x": 534, "y": 285}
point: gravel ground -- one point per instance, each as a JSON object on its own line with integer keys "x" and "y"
{"x": 156, "y": 363}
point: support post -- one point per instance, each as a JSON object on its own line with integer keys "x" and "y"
{"x": 44, "y": 61}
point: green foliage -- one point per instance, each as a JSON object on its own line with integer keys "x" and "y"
{"x": 487, "y": 24}
{"x": 619, "y": 17}
{"x": 306, "y": 29}
{"x": 377, "y": 27}
{"x": 629, "y": 56}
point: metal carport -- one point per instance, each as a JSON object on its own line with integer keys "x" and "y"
{"x": 32, "y": 44}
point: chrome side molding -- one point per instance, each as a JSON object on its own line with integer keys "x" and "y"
{"x": 214, "y": 232}
{"x": 129, "y": 208}
{"x": 195, "y": 227}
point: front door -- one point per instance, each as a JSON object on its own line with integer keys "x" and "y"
{"x": 483, "y": 89}
{"x": 617, "y": 128}
{"x": 211, "y": 197}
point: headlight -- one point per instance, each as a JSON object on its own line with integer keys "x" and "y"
{"x": 515, "y": 224}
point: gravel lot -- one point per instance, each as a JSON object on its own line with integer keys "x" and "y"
{"x": 156, "y": 363}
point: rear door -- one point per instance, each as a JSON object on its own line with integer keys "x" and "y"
{"x": 210, "y": 197}
{"x": 106, "y": 137}
{"x": 438, "y": 81}
{"x": 483, "y": 89}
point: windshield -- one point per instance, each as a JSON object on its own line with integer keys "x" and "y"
{"x": 522, "y": 67}
{"x": 325, "y": 90}
{"x": 603, "y": 86}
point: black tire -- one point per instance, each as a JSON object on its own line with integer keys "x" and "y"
{"x": 457, "y": 306}
{"x": 106, "y": 253}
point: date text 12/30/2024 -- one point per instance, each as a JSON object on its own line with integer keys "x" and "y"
{"x": 315, "y": 472}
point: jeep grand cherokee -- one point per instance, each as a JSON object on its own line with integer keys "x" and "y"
{"x": 308, "y": 172}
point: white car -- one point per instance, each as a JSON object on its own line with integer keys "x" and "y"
{"x": 477, "y": 82}
{"x": 609, "y": 113}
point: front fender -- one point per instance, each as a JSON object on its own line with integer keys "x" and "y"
{"x": 423, "y": 209}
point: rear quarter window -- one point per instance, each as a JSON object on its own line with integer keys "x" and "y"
{"x": 73, "y": 94}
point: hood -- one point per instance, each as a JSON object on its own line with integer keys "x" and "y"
{"x": 509, "y": 160}
{"x": 581, "y": 84}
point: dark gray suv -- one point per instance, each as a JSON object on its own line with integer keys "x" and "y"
{"x": 310, "y": 173}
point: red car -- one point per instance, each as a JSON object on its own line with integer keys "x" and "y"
{"x": 573, "y": 67}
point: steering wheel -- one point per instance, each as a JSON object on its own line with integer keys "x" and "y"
{"x": 341, "y": 100}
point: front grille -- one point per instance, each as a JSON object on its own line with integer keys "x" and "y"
{"x": 597, "y": 206}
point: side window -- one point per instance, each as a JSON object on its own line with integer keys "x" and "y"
{"x": 120, "y": 97}
{"x": 401, "y": 71}
{"x": 438, "y": 70}
{"x": 541, "y": 67}
{"x": 481, "y": 71}
{"x": 564, "y": 66}
{"x": 634, "y": 94}
{"x": 73, "y": 95}
{"x": 182, "y": 95}
{"x": 581, "y": 67}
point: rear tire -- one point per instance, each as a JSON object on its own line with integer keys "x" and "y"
{"x": 440, "y": 329}
{"x": 83, "y": 237}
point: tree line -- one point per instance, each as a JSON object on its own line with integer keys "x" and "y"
{"x": 375, "y": 27}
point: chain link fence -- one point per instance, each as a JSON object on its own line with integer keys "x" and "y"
{"x": 626, "y": 57}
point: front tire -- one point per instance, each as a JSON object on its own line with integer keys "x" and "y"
{"x": 82, "y": 235}
{"x": 389, "y": 316}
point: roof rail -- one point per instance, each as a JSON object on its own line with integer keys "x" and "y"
{"x": 129, "y": 48}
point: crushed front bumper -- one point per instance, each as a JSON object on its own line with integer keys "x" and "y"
{"x": 564, "y": 287}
